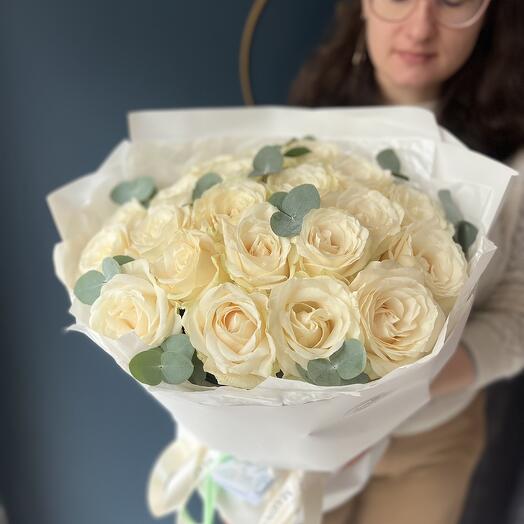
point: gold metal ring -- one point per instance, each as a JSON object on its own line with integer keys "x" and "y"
{"x": 245, "y": 50}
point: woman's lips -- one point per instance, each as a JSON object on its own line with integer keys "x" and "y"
{"x": 413, "y": 58}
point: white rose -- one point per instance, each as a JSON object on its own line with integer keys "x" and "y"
{"x": 226, "y": 200}
{"x": 400, "y": 248}
{"x": 226, "y": 166}
{"x": 440, "y": 258}
{"x": 322, "y": 177}
{"x": 185, "y": 264}
{"x": 400, "y": 319}
{"x": 179, "y": 194}
{"x": 310, "y": 318}
{"x": 113, "y": 239}
{"x": 158, "y": 226}
{"x": 128, "y": 214}
{"x": 132, "y": 301}
{"x": 379, "y": 215}
{"x": 332, "y": 242}
{"x": 351, "y": 169}
{"x": 254, "y": 256}
{"x": 418, "y": 207}
{"x": 228, "y": 328}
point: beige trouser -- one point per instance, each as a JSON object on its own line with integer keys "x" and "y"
{"x": 423, "y": 478}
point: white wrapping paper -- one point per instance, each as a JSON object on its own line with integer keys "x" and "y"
{"x": 281, "y": 423}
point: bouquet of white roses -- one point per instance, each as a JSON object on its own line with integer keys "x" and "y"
{"x": 325, "y": 280}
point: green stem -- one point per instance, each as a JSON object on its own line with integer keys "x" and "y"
{"x": 209, "y": 497}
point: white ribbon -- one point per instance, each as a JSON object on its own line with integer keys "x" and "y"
{"x": 294, "y": 496}
{"x": 177, "y": 472}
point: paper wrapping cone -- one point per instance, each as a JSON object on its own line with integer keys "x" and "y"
{"x": 282, "y": 423}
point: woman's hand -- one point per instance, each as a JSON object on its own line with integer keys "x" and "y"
{"x": 456, "y": 375}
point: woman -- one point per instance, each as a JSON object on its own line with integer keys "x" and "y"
{"x": 460, "y": 58}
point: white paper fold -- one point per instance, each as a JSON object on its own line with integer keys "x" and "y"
{"x": 181, "y": 126}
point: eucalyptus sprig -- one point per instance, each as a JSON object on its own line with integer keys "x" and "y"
{"x": 297, "y": 151}
{"x": 173, "y": 362}
{"x": 123, "y": 259}
{"x": 204, "y": 183}
{"x": 465, "y": 232}
{"x": 110, "y": 268}
{"x": 142, "y": 188}
{"x": 267, "y": 161}
{"x": 270, "y": 159}
{"x": 177, "y": 359}
{"x": 88, "y": 287}
{"x": 292, "y": 208}
{"x": 388, "y": 159}
{"x": 346, "y": 366}
{"x": 277, "y": 198}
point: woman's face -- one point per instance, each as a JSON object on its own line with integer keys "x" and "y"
{"x": 413, "y": 57}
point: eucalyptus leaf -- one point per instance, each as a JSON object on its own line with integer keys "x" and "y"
{"x": 179, "y": 344}
{"x": 400, "y": 175}
{"x": 276, "y": 199}
{"x": 123, "y": 259}
{"x": 323, "y": 373}
{"x": 147, "y": 201}
{"x": 465, "y": 235}
{"x": 141, "y": 188}
{"x": 88, "y": 286}
{"x": 360, "y": 379}
{"x": 110, "y": 268}
{"x": 350, "y": 360}
{"x": 146, "y": 366}
{"x": 268, "y": 160}
{"x": 300, "y": 200}
{"x": 453, "y": 213}
{"x": 199, "y": 375}
{"x": 388, "y": 159}
{"x": 285, "y": 226}
{"x": 204, "y": 183}
{"x": 297, "y": 151}
{"x": 176, "y": 367}
{"x": 303, "y": 373}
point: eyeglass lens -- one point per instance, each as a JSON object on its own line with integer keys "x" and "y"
{"x": 449, "y": 12}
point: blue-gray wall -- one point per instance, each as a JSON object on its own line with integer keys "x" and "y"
{"x": 78, "y": 435}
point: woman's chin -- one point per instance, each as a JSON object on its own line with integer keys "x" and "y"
{"x": 416, "y": 83}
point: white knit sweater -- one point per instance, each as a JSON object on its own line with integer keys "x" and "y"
{"x": 494, "y": 333}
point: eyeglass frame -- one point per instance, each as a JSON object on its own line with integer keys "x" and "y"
{"x": 462, "y": 25}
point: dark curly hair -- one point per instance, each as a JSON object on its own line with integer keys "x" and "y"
{"x": 482, "y": 104}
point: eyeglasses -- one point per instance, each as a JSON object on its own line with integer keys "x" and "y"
{"x": 455, "y": 14}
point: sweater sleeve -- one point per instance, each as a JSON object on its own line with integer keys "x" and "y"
{"x": 494, "y": 333}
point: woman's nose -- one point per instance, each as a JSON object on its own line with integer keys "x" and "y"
{"x": 422, "y": 23}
